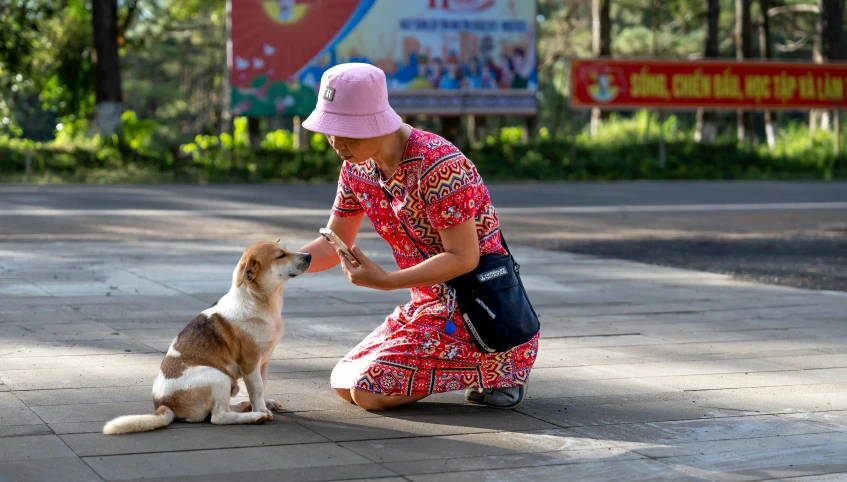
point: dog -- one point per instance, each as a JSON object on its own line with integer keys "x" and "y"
{"x": 232, "y": 339}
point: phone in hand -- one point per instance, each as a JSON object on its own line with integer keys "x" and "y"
{"x": 337, "y": 243}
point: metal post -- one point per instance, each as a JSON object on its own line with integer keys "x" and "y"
{"x": 663, "y": 157}
{"x": 28, "y": 165}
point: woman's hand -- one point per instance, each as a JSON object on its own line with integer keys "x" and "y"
{"x": 364, "y": 272}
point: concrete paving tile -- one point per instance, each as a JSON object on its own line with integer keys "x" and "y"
{"x": 16, "y": 378}
{"x": 812, "y": 398}
{"x": 742, "y": 445}
{"x": 398, "y": 426}
{"x": 24, "y": 430}
{"x": 766, "y": 464}
{"x": 13, "y": 334}
{"x": 357, "y": 472}
{"x": 688, "y": 368}
{"x": 88, "y": 347}
{"x": 74, "y": 396}
{"x": 511, "y": 461}
{"x": 97, "y": 427}
{"x": 224, "y": 461}
{"x": 554, "y": 388}
{"x": 811, "y": 361}
{"x": 676, "y": 432}
{"x": 739, "y": 380}
{"x": 35, "y": 363}
{"x": 66, "y": 469}
{"x": 473, "y": 445}
{"x": 22, "y": 289}
{"x": 831, "y": 477}
{"x": 91, "y": 383}
{"x": 559, "y": 412}
{"x": 599, "y": 341}
{"x": 14, "y": 412}
{"x": 630, "y": 470}
{"x": 834, "y": 374}
{"x": 570, "y": 357}
{"x": 206, "y": 437}
{"x": 833, "y": 420}
{"x": 33, "y": 447}
{"x": 572, "y": 374}
{"x": 91, "y": 412}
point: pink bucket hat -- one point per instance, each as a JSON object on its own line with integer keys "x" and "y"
{"x": 353, "y": 102}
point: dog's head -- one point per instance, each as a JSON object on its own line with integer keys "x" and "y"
{"x": 267, "y": 266}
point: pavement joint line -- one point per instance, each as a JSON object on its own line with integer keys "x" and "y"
{"x": 803, "y": 476}
{"x": 763, "y": 386}
{"x": 694, "y": 312}
{"x": 830, "y": 432}
{"x": 600, "y": 335}
{"x": 327, "y": 441}
{"x": 537, "y": 368}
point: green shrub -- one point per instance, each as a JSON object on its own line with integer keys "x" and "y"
{"x": 623, "y": 149}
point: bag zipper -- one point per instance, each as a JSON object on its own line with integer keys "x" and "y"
{"x": 476, "y": 336}
{"x": 480, "y": 303}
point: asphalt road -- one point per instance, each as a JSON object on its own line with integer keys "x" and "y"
{"x": 791, "y": 233}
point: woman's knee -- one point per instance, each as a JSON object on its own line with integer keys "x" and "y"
{"x": 345, "y": 394}
{"x": 370, "y": 401}
{"x": 373, "y": 402}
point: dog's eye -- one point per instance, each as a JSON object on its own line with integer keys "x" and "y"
{"x": 281, "y": 256}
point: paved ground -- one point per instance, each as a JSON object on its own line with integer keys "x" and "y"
{"x": 644, "y": 372}
{"x": 788, "y": 233}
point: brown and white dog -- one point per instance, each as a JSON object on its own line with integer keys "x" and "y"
{"x": 231, "y": 340}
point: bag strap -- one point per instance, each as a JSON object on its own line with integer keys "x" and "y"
{"x": 403, "y": 225}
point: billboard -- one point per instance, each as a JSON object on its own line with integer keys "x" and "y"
{"x": 709, "y": 84}
{"x": 441, "y": 57}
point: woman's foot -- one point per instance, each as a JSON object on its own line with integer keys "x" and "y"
{"x": 505, "y": 398}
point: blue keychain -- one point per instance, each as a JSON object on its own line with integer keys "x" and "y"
{"x": 450, "y": 327}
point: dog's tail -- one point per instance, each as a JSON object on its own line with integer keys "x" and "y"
{"x": 140, "y": 423}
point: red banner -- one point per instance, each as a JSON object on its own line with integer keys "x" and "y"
{"x": 711, "y": 84}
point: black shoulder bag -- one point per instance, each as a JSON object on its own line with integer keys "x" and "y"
{"x": 492, "y": 299}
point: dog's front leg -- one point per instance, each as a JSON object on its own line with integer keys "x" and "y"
{"x": 270, "y": 404}
{"x": 256, "y": 390}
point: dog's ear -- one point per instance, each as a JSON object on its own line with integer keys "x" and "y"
{"x": 248, "y": 270}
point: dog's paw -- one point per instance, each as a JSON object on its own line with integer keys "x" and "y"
{"x": 273, "y": 405}
{"x": 243, "y": 406}
{"x": 262, "y": 417}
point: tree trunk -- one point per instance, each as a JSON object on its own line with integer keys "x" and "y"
{"x": 107, "y": 68}
{"x": 254, "y": 131}
{"x": 766, "y": 51}
{"x": 601, "y": 30}
{"x": 814, "y": 114}
{"x": 831, "y": 28}
{"x": 706, "y": 126}
{"x": 743, "y": 50}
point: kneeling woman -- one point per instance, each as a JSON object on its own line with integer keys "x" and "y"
{"x": 394, "y": 174}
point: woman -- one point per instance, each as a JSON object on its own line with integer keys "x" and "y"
{"x": 394, "y": 174}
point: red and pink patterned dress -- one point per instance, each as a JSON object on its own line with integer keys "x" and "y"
{"x": 435, "y": 187}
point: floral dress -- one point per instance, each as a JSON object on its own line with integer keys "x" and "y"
{"x": 417, "y": 351}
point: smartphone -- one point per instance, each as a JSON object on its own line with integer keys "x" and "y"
{"x": 336, "y": 242}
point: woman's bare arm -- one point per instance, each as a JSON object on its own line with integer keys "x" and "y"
{"x": 324, "y": 256}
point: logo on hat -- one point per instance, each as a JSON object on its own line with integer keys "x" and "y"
{"x": 329, "y": 93}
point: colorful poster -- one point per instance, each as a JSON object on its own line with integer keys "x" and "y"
{"x": 441, "y": 57}
{"x": 710, "y": 84}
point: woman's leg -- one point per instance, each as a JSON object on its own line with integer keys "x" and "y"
{"x": 345, "y": 394}
{"x": 373, "y": 402}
